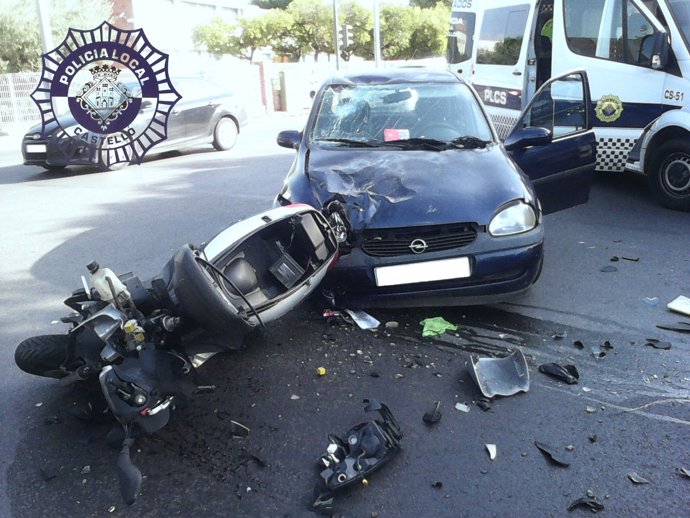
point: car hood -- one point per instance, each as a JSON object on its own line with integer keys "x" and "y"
{"x": 383, "y": 188}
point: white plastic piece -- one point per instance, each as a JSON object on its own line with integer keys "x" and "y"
{"x": 680, "y": 304}
{"x": 462, "y": 407}
{"x": 493, "y": 451}
{"x": 363, "y": 319}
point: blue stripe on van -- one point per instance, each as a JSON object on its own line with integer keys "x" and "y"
{"x": 500, "y": 97}
{"x": 634, "y": 115}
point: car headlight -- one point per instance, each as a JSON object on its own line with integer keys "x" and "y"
{"x": 515, "y": 219}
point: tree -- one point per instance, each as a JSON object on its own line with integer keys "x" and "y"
{"x": 241, "y": 40}
{"x": 360, "y": 19}
{"x": 279, "y": 25}
{"x": 271, "y": 4}
{"x": 429, "y": 4}
{"x": 430, "y": 34}
{"x": 397, "y": 24}
{"x": 313, "y": 26}
{"x": 20, "y": 39}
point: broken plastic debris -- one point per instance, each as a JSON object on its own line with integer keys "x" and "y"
{"x": 560, "y": 335}
{"x": 657, "y": 344}
{"x": 111, "y": 509}
{"x": 294, "y": 397}
{"x": 437, "y": 485}
{"x": 436, "y": 326}
{"x": 86, "y": 470}
{"x": 588, "y": 501}
{"x": 590, "y": 409}
{"x": 683, "y": 472}
{"x": 592, "y": 438}
{"x": 609, "y": 268}
{"x": 681, "y": 327}
{"x": 566, "y": 373}
{"x": 484, "y": 404}
{"x": 462, "y": 407}
{"x": 362, "y": 450}
{"x": 633, "y": 259}
{"x": 680, "y": 305}
{"x": 392, "y": 324}
{"x": 500, "y": 376}
{"x": 433, "y": 416}
{"x": 579, "y": 344}
{"x": 614, "y": 259}
{"x": 636, "y": 478}
{"x": 586, "y": 389}
{"x": 363, "y": 319}
{"x": 551, "y": 454}
{"x": 651, "y": 301}
{"x": 321, "y": 371}
{"x": 238, "y": 429}
{"x": 493, "y": 451}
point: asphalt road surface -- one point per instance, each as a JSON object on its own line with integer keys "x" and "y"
{"x": 628, "y": 413}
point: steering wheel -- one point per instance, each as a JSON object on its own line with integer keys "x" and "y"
{"x": 438, "y": 131}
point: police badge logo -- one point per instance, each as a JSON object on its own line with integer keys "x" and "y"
{"x": 609, "y": 108}
{"x": 115, "y": 87}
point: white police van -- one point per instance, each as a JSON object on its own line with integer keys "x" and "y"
{"x": 637, "y": 60}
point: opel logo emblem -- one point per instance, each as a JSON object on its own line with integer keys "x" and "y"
{"x": 418, "y": 246}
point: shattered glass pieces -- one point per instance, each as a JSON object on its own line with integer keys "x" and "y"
{"x": 433, "y": 416}
{"x": 462, "y": 407}
{"x": 565, "y": 373}
{"x": 636, "y": 478}
{"x": 551, "y": 454}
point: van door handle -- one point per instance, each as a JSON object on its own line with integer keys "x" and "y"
{"x": 517, "y": 72}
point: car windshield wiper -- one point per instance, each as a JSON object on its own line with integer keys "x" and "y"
{"x": 429, "y": 144}
{"x": 351, "y": 142}
{"x": 469, "y": 142}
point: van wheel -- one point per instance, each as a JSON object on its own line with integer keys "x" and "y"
{"x": 43, "y": 355}
{"x": 225, "y": 134}
{"x": 669, "y": 175}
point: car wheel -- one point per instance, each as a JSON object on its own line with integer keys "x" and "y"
{"x": 669, "y": 175}
{"x": 53, "y": 168}
{"x": 225, "y": 134}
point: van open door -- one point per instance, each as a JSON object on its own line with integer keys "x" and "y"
{"x": 553, "y": 142}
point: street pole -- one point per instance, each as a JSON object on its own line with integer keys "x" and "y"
{"x": 336, "y": 24}
{"x": 377, "y": 34}
{"x": 44, "y": 22}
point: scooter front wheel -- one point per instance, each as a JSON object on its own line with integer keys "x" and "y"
{"x": 43, "y": 355}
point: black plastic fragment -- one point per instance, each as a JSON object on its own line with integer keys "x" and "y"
{"x": 437, "y": 485}
{"x": 633, "y": 259}
{"x": 566, "y": 373}
{"x": 374, "y": 374}
{"x": 362, "y": 450}
{"x": 484, "y": 404}
{"x": 658, "y": 344}
{"x": 592, "y": 438}
{"x": 551, "y": 454}
{"x": 432, "y": 416}
{"x": 52, "y": 420}
{"x": 681, "y": 327}
{"x": 591, "y": 502}
{"x": 609, "y": 268}
{"x": 48, "y": 473}
{"x": 614, "y": 259}
{"x": 579, "y": 344}
{"x": 683, "y": 472}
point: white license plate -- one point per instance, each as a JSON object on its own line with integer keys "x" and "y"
{"x": 35, "y": 148}
{"x": 441, "y": 270}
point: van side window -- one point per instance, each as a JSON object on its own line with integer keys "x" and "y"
{"x": 614, "y": 30}
{"x": 460, "y": 37}
{"x": 501, "y": 34}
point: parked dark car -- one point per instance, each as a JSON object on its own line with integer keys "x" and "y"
{"x": 429, "y": 207}
{"x": 206, "y": 113}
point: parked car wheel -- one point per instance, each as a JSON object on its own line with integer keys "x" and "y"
{"x": 225, "y": 134}
{"x": 669, "y": 175}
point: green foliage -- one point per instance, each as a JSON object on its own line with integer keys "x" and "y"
{"x": 430, "y": 34}
{"x": 20, "y": 39}
{"x": 279, "y": 28}
{"x": 216, "y": 37}
{"x": 313, "y": 26}
{"x": 429, "y": 4}
{"x": 271, "y": 4}
{"x": 506, "y": 51}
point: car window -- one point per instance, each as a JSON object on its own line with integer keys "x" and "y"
{"x": 400, "y": 111}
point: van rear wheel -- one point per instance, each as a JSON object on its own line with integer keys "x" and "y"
{"x": 669, "y": 175}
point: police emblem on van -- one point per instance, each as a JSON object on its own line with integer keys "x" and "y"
{"x": 108, "y": 93}
{"x": 609, "y": 108}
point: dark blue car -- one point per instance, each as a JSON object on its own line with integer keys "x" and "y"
{"x": 428, "y": 206}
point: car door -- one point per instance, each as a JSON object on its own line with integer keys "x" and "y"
{"x": 553, "y": 142}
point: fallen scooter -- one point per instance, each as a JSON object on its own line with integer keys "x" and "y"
{"x": 139, "y": 343}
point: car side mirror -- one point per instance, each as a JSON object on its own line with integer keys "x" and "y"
{"x": 289, "y": 139}
{"x": 526, "y": 137}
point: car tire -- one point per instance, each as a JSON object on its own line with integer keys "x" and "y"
{"x": 53, "y": 168}
{"x": 225, "y": 134}
{"x": 669, "y": 175}
{"x": 42, "y": 355}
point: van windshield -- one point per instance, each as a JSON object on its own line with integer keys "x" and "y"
{"x": 375, "y": 113}
{"x": 460, "y": 37}
{"x": 680, "y": 10}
